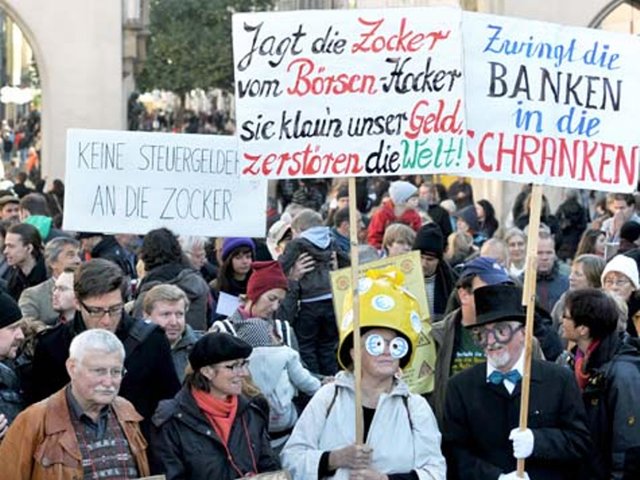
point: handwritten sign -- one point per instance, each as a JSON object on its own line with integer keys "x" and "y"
{"x": 419, "y": 375}
{"x": 132, "y": 182}
{"x": 349, "y": 93}
{"x": 551, "y": 104}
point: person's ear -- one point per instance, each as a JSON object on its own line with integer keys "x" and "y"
{"x": 207, "y": 372}
{"x": 71, "y": 366}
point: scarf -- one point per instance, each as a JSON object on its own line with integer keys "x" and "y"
{"x": 582, "y": 376}
{"x": 220, "y": 413}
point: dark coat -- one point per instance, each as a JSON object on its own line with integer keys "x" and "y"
{"x": 150, "y": 377}
{"x": 572, "y": 218}
{"x": 612, "y": 401}
{"x": 11, "y": 403}
{"x": 446, "y": 279}
{"x": 479, "y": 417}
{"x": 109, "y": 249}
{"x": 17, "y": 281}
{"x": 188, "y": 447}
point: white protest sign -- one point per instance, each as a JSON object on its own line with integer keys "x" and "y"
{"x": 349, "y": 92}
{"x": 133, "y": 182}
{"x": 551, "y": 104}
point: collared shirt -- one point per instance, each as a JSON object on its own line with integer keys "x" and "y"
{"x": 95, "y": 430}
{"x": 519, "y": 366}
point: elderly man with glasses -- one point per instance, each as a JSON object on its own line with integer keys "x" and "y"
{"x": 480, "y": 433}
{"x": 100, "y": 288}
{"x": 84, "y": 430}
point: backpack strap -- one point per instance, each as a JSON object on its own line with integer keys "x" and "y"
{"x": 138, "y": 334}
{"x": 283, "y": 329}
{"x": 224, "y": 326}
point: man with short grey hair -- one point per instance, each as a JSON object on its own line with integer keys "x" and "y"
{"x": 84, "y": 430}
{"x": 60, "y": 254}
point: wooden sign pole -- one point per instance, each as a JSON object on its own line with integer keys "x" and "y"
{"x": 529, "y": 300}
{"x": 355, "y": 279}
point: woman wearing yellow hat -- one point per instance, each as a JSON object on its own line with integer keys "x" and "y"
{"x": 402, "y": 440}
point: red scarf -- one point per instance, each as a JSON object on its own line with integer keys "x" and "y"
{"x": 582, "y": 359}
{"x": 220, "y": 413}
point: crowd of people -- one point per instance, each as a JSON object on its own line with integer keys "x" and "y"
{"x": 192, "y": 357}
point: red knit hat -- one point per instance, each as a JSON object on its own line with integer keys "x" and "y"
{"x": 266, "y": 276}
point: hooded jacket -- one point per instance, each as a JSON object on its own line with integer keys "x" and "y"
{"x": 403, "y": 434}
{"x": 612, "y": 401}
{"x": 316, "y": 241}
{"x": 45, "y": 227}
{"x": 187, "y": 446}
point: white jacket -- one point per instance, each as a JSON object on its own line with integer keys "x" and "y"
{"x": 399, "y": 444}
{"x": 278, "y": 372}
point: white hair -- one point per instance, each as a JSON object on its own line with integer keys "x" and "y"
{"x": 189, "y": 243}
{"x": 95, "y": 339}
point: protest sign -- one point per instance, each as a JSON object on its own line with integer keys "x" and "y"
{"x": 419, "y": 375}
{"x": 132, "y": 182}
{"x": 349, "y": 93}
{"x": 551, "y": 104}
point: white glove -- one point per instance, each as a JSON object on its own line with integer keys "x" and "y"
{"x": 513, "y": 476}
{"x": 522, "y": 442}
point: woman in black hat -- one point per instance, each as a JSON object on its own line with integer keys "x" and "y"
{"x": 209, "y": 430}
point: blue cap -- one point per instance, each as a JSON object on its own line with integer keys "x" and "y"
{"x": 488, "y": 269}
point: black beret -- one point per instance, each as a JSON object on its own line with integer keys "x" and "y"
{"x": 217, "y": 347}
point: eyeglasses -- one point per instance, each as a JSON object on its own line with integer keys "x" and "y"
{"x": 502, "y": 333}
{"x": 618, "y": 282}
{"x": 116, "y": 372}
{"x": 98, "y": 312}
{"x": 237, "y": 367}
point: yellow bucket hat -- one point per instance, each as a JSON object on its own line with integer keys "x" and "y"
{"x": 384, "y": 303}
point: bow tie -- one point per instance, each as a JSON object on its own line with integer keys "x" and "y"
{"x": 497, "y": 377}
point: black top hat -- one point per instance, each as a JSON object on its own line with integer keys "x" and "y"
{"x": 498, "y": 303}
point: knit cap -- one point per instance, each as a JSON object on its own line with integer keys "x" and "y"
{"x": 266, "y": 276}
{"x": 401, "y": 191}
{"x": 232, "y": 243}
{"x": 624, "y": 265}
{"x": 429, "y": 240}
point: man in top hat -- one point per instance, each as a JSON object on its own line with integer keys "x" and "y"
{"x": 482, "y": 407}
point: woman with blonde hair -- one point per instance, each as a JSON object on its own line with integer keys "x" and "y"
{"x": 459, "y": 248}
